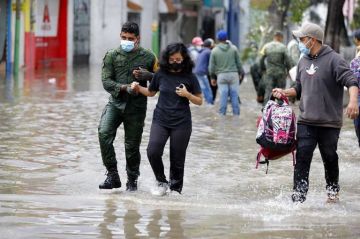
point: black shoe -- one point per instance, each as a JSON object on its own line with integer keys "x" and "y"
{"x": 298, "y": 197}
{"x": 131, "y": 185}
{"x": 112, "y": 181}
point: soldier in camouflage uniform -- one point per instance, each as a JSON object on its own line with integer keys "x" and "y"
{"x": 276, "y": 63}
{"x": 121, "y": 67}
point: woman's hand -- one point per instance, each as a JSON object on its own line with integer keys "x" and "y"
{"x": 135, "y": 86}
{"x": 182, "y": 91}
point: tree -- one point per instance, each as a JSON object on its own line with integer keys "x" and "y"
{"x": 335, "y": 30}
{"x": 278, "y": 13}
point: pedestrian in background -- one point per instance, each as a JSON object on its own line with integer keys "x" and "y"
{"x": 355, "y": 67}
{"x": 226, "y": 71}
{"x": 124, "y": 106}
{"x": 321, "y": 76}
{"x": 195, "y": 48}
{"x": 201, "y": 70}
{"x": 276, "y": 63}
{"x": 178, "y": 87}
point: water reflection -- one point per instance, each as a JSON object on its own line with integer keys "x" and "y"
{"x": 132, "y": 222}
{"x": 109, "y": 219}
{"x": 49, "y": 83}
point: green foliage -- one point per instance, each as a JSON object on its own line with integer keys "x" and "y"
{"x": 260, "y": 4}
{"x": 355, "y": 24}
{"x": 297, "y": 8}
{"x": 258, "y": 22}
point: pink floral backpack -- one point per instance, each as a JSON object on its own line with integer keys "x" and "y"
{"x": 276, "y": 131}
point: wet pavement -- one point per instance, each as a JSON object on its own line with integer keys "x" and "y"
{"x": 50, "y": 168}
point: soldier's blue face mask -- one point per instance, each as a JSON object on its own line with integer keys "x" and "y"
{"x": 127, "y": 45}
{"x": 303, "y": 49}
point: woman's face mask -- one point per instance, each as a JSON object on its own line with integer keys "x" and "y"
{"x": 303, "y": 49}
{"x": 176, "y": 62}
{"x": 127, "y": 45}
{"x": 176, "y": 66}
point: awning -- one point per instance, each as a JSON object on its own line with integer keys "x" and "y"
{"x": 165, "y": 6}
{"x": 134, "y": 5}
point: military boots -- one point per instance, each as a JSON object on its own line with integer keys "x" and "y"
{"x": 131, "y": 185}
{"x": 112, "y": 180}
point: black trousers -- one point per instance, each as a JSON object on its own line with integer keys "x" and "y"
{"x": 179, "y": 140}
{"x": 327, "y": 139}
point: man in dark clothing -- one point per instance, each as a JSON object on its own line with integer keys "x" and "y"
{"x": 121, "y": 67}
{"x": 322, "y": 73}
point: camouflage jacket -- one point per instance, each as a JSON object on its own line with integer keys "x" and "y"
{"x": 117, "y": 69}
{"x": 277, "y": 58}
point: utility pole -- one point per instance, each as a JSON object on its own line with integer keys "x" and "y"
{"x": 155, "y": 29}
{"x": 8, "y": 39}
{"x": 17, "y": 38}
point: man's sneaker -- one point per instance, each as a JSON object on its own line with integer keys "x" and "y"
{"x": 131, "y": 185}
{"x": 112, "y": 181}
{"x": 333, "y": 197}
{"x": 161, "y": 189}
{"x": 298, "y": 197}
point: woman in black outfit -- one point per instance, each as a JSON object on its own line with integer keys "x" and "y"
{"x": 172, "y": 117}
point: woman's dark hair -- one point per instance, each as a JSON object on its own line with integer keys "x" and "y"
{"x": 171, "y": 49}
{"x": 131, "y": 27}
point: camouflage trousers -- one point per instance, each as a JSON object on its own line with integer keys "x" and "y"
{"x": 111, "y": 119}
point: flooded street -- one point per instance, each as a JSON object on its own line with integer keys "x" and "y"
{"x": 50, "y": 168}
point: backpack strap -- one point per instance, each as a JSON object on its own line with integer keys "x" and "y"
{"x": 258, "y": 159}
{"x": 267, "y": 165}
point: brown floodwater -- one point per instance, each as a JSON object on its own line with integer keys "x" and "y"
{"x": 50, "y": 168}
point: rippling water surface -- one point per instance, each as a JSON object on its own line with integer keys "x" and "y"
{"x": 50, "y": 168}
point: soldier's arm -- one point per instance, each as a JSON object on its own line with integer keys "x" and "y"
{"x": 108, "y": 78}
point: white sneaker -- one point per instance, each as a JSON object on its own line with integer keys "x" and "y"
{"x": 160, "y": 189}
{"x": 333, "y": 197}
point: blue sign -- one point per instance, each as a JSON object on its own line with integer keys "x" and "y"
{"x": 213, "y": 3}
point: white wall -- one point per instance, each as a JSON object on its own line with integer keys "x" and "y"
{"x": 106, "y": 20}
{"x": 147, "y": 18}
{"x": 244, "y": 22}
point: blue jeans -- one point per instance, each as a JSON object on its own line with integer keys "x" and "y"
{"x": 205, "y": 88}
{"x": 228, "y": 84}
{"x": 307, "y": 139}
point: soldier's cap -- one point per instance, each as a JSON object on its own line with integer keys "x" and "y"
{"x": 278, "y": 34}
{"x": 309, "y": 30}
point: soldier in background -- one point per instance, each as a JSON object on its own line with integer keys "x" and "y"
{"x": 276, "y": 63}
